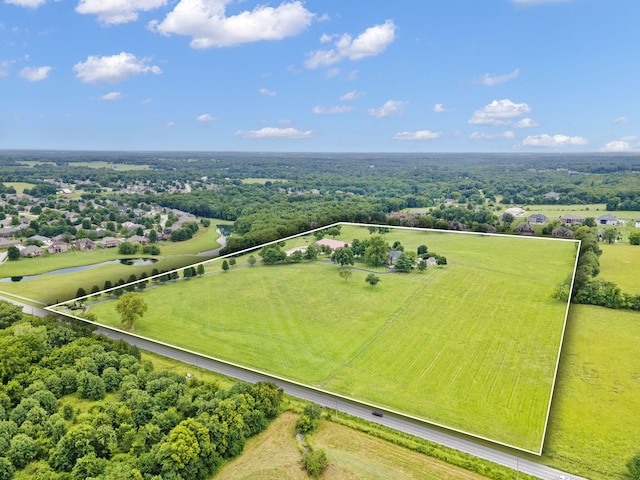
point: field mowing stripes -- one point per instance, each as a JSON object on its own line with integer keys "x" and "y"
{"x": 472, "y": 346}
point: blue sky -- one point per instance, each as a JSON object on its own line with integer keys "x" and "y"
{"x": 321, "y": 75}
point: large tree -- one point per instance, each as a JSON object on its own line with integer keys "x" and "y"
{"x": 131, "y": 307}
{"x": 377, "y": 251}
{"x": 342, "y": 256}
{"x": 13, "y": 253}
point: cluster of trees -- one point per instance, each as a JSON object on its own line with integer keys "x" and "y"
{"x": 153, "y": 424}
{"x": 314, "y": 460}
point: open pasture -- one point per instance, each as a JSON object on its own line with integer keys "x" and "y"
{"x": 619, "y": 263}
{"x": 19, "y": 186}
{"x": 472, "y": 346}
{"x": 594, "y": 421}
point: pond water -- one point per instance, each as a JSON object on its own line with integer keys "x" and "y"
{"x": 132, "y": 262}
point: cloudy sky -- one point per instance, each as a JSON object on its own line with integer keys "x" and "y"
{"x": 321, "y": 75}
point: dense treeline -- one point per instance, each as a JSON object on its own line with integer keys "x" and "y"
{"x": 134, "y": 422}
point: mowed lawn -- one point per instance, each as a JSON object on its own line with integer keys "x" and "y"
{"x": 594, "y": 422}
{"x": 472, "y": 346}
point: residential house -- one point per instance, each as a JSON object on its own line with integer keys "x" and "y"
{"x": 637, "y": 224}
{"x": 537, "y": 219}
{"x": 571, "y": 220}
{"x": 42, "y": 239}
{"x": 138, "y": 239}
{"x": 109, "y": 242}
{"x": 562, "y": 232}
{"x": 431, "y": 261}
{"x": 525, "y": 229}
{"x": 31, "y": 251}
{"x": 84, "y": 244}
{"x": 457, "y": 226}
{"x": 59, "y": 247}
{"x": 393, "y": 257}
{"x": 4, "y": 243}
{"x": 607, "y": 219}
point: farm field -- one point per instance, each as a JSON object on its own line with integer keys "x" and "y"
{"x": 472, "y": 346}
{"x": 594, "y": 422}
{"x": 351, "y": 454}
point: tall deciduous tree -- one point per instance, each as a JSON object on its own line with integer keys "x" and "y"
{"x": 131, "y": 306}
{"x": 13, "y": 253}
{"x": 377, "y": 251}
{"x": 342, "y": 256}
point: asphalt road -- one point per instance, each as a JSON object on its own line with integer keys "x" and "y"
{"x": 422, "y": 430}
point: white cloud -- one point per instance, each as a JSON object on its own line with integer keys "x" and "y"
{"x": 111, "y": 96}
{"x": 171, "y": 124}
{"x": 205, "y": 117}
{"x": 273, "y": 132}
{"x": 351, "y": 96}
{"x": 113, "y": 69}
{"x": 620, "y": 120}
{"x": 26, "y": 3}
{"x": 545, "y": 140}
{"x": 373, "y": 41}
{"x": 35, "y": 74}
{"x": 353, "y": 75}
{"x": 319, "y": 110}
{"x": 146, "y": 101}
{"x": 487, "y": 136}
{"x": 326, "y": 38}
{"x": 526, "y": 123}
{"x": 206, "y": 23}
{"x": 499, "y": 112}
{"x": 267, "y": 92}
{"x": 113, "y": 12}
{"x": 391, "y": 107}
{"x": 4, "y": 68}
{"x": 625, "y": 144}
{"x": 492, "y": 80}
{"x": 439, "y": 108}
{"x": 332, "y": 72}
{"x": 417, "y": 135}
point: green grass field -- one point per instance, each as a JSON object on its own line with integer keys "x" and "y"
{"x": 472, "y": 346}
{"x": 19, "y": 186}
{"x": 594, "y": 422}
{"x": 619, "y": 263}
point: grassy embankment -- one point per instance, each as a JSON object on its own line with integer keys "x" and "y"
{"x": 59, "y": 287}
{"x": 447, "y": 345}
